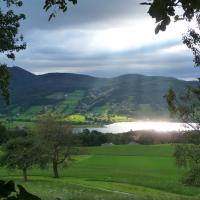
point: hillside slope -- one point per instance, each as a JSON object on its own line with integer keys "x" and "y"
{"x": 130, "y": 95}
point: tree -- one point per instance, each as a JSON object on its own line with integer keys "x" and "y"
{"x": 163, "y": 11}
{"x": 187, "y": 109}
{"x": 188, "y": 156}
{"x": 57, "y": 139}
{"x": 10, "y": 42}
{"x": 23, "y": 153}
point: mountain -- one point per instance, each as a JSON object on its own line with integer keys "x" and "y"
{"x": 131, "y": 95}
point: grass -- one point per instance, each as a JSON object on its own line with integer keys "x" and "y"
{"x": 118, "y": 118}
{"x": 68, "y": 105}
{"x": 115, "y": 172}
{"x": 76, "y": 118}
{"x": 34, "y": 110}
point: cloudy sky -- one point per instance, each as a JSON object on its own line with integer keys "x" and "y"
{"x": 102, "y": 38}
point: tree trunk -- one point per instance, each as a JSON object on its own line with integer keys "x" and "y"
{"x": 25, "y": 174}
{"x": 55, "y": 170}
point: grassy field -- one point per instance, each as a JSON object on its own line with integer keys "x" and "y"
{"x": 115, "y": 172}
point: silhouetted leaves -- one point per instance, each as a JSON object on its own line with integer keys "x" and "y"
{"x": 163, "y": 11}
{"x": 10, "y": 42}
{"x": 192, "y": 40}
{"x": 57, "y": 5}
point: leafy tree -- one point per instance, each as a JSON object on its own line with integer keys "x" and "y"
{"x": 187, "y": 109}
{"x": 23, "y": 153}
{"x": 57, "y": 138}
{"x": 188, "y": 156}
{"x": 10, "y": 42}
{"x": 164, "y": 11}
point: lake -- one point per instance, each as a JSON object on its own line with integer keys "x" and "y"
{"x": 161, "y": 127}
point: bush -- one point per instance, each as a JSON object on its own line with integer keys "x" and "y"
{"x": 193, "y": 176}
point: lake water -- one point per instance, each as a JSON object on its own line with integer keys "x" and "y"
{"x": 161, "y": 127}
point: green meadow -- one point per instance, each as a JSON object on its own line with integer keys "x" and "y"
{"x": 114, "y": 172}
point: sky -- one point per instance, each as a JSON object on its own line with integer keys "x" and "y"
{"x": 104, "y": 39}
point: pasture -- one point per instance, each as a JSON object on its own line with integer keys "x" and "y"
{"x": 137, "y": 172}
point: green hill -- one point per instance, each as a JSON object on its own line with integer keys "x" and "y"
{"x": 88, "y": 97}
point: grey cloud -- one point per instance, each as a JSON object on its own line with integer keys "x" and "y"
{"x": 86, "y": 14}
{"x": 46, "y": 52}
{"x": 149, "y": 63}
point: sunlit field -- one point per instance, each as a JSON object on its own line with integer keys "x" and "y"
{"x": 116, "y": 172}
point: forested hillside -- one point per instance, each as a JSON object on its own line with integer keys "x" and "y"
{"x": 134, "y": 96}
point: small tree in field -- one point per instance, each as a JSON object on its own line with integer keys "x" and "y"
{"x": 58, "y": 140}
{"x": 23, "y": 153}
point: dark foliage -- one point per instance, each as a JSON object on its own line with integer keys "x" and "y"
{"x": 92, "y": 138}
{"x": 22, "y": 153}
{"x": 10, "y": 42}
{"x": 165, "y": 11}
{"x": 8, "y": 191}
{"x": 192, "y": 40}
{"x": 186, "y": 107}
{"x": 56, "y": 5}
{"x": 146, "y": 137}
{"x": 6, "y": 134}
{"x": 3, "y": 134}
{"x": 96, "y": 138}
{"x": 188, "y": 156}
{"x": 4, "y": 82}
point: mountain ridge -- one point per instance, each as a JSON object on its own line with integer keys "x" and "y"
{"x": 91, "y": 76}
{"x": 131, "y": 95}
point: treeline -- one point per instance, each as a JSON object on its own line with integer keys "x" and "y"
{"x": 8, "y": 134}
{"x": 146, "y": 137}
{"x": 96, "y": 138}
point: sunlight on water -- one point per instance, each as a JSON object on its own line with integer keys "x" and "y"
{"x": 136, "y": 126}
